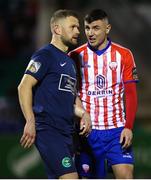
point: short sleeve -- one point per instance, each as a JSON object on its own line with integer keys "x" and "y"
{"x": 129, "y": 71}
{"x": 38, "y": 67}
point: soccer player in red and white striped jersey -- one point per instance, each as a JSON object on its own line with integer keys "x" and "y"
{"x": 107, "y": 72}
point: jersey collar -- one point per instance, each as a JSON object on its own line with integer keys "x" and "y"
{"x": 100, "y": 52}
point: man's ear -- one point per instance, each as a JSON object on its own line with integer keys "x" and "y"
{"x": 57, "y": 29}
{"x": 108, "y": 28}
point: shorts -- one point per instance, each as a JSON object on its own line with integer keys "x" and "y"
{"x": 106, "y": 149}
{"x": 56, "y": 150}
{"x": 85, "y": 162}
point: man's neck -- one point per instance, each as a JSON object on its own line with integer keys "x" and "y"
{"x": 59, "y": 44}
{"x": 103, "y": 44}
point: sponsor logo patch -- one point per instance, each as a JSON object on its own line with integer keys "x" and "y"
{"x": 67, "y": 83}
{"x": 33, "y": 66}
{"x": 100, "y": 80}
{"x": 127, "y": 155}
{"x": 66, "y": 162}
{"x": 100, "y": 89}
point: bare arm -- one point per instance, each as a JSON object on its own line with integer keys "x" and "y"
{"x": 25, "y": 100}
{"x": 85, "y": 121}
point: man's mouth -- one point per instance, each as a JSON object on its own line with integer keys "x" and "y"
{"x": 75, "y": 38}
{"x": 92, "y": 40}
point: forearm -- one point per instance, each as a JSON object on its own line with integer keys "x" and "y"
{"x": 25, "y": 100}
{"x": 78, "y": 108}
{"x": 130, "y": 104}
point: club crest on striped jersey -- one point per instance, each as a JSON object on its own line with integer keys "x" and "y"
{"x": 113, "y": 65}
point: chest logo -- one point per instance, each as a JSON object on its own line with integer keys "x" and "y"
{"x": 113, "y": 66}
{"x": 63, "y": 64}
{"x": 100, "y": 81}
{"x": 67, "y": 83}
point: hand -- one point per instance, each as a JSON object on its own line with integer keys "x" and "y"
{"x": 28, "y": 137}
{"x": 126, "y": 137}
{"x": 85, "y": 124}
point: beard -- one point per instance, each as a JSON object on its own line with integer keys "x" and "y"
{"x": 71, "y": 45}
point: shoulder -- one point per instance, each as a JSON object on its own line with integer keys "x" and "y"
{"x": 79, "y": 49}
{"x": 44, "y": 53}
{"x": 75, "y": 54}
{"x": 121, "y": 49}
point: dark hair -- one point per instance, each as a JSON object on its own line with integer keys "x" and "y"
{"x": 62, "y": 13}
{"x": 96, "y": 14}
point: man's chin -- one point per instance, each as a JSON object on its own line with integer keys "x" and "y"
{"x": 93, "y": 44}
{"x": 72, "y": 46}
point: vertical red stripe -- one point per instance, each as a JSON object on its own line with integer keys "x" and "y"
{"x": 96, "y": 101}
{"x": 114, "y": 81}
{"x": 105, "y": 98}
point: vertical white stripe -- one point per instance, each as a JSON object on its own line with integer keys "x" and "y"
{"x": 110, "y": 98}
{"x": 101, "y": 108}
{"x": 91, "y": 77}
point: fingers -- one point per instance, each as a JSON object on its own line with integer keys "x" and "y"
{"x": 27, "y": 140}
{"x": 121, "y": 138}
{"x": 126, "y": 141}
{"x": 85, "y": 131}
{"x": 85, "y": 127}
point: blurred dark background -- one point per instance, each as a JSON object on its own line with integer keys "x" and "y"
{"x": 24, "y": 27}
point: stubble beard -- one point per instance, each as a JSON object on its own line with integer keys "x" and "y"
{"x": 69, "y": 43}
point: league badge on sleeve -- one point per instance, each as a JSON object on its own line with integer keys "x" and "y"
{"x": 33, "y": 66}
{"x": 134, "y": 73}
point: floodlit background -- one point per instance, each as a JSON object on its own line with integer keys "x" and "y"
{"x": 24, "y": 27}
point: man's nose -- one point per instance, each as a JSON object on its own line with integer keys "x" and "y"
{"x": 90, "y": 32}
{"x": 77, "y": 31}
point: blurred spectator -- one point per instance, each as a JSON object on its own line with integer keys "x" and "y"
{"x": 17, "y": 24}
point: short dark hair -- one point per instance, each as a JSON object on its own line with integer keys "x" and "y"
{"x": 62, "y": 13}
{"x": 96, "y": 14}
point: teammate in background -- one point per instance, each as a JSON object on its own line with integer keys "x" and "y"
{"x": 47, "y": 95}
{"x": 107, "y": 71}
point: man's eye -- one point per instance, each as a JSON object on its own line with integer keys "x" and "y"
{"x": 86, "y": 28}
{"x": 97, "y": 28}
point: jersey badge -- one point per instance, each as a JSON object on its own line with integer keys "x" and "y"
{"x": 66, "y": 162}
{"x": 113, "y": 66}
{"x": 33, "y": 66}
{"x": 85, "y": 167}
{"x": 67, "y": 83}
{"x": 100, "y": 81}
{"x": 134, "y": 73}
{"x": 63, "y": 64}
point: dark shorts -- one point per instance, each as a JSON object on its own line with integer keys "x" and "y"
{"x": 56, "y": 150}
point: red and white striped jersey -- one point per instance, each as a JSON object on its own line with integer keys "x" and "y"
{"x": 103, "y": 74}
